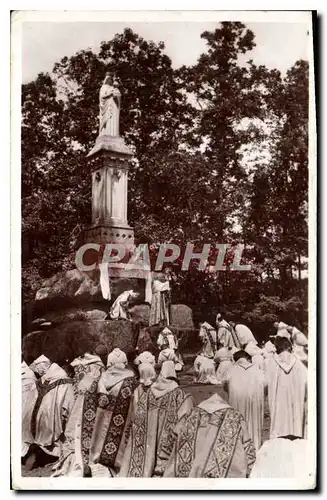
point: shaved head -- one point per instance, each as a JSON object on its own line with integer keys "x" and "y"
{"x": 282, "y": 344}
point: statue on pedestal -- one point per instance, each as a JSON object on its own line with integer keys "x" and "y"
{"x": 109, "y": 101}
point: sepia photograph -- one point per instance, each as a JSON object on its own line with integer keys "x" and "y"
{"x": 163, "y": 211}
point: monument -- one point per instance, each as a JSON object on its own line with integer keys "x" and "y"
{"x": 74, "y": 304}
{"x": 110, "y": 160}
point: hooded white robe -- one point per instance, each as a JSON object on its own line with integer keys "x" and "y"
{"x": 29, "y": 397}
{"x": 246, "y": 394}
{"x": 282, "y": 330}
{"x": 287, "y": 383}
{"x": 299, "y": 338}
{"x": 256, "y": 354}
{"x": 52, "y": 409}
{"x": 166, "y": 337}
{"x": 147, "y": 374}
{"x": 171, "y": 355}
{"x": 205, "y": 370}
{"x": 300, "y": 343}
{"x": 268, "y": 350}
{"x": 224, "y": 357}
{"x": 145, "y": 357}
{"x": 119, "y": 309}
{"x": 244, "y": 335}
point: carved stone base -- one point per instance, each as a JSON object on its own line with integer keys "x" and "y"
{"x": 115, "y": 145}
{"x": 109, "y": 234}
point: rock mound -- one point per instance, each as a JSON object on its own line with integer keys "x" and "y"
{"x": 75, "y": 289}
{"x": 69, "y": 316}
{"x": 69, "y": 340}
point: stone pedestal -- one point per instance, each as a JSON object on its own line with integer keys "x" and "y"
{"x": 110, "y": 162}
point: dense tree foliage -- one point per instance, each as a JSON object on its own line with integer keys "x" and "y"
{"x": 221, "y": 153}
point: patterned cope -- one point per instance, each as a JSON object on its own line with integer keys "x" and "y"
{"x": 80, "y": 371}
{"x": 89, "y": 411}
{"x": 119, "y": 406}
{"x": 219, "y": 457}
{"x": 169, "y": 404}
{"x": 43, "y": 389}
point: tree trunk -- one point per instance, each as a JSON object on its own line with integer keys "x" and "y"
{"x": 299, "y": 267}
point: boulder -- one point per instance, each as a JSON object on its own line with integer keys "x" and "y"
{"x": 95, "y": 314}
{"x": 66, "y": 288}
{"x": 140, "y": 314}
{"x": 69, "y": 340}
{"x": 182, "y": 317}
{"x": 71, "y": 289}
{"x": 83, "y": 313}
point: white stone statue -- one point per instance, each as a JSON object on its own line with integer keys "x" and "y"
{"x": 109, "y": 101}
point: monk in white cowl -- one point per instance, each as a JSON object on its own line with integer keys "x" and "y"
{"x": 145, "y": 363}
{"x": 29, "y": 397}
{"x": 53, "y": 406}
{"x": 246, "y": 383}
{"x": 224, "y": 360}
{"x": 287, "y": 385}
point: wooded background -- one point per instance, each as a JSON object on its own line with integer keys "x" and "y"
{"x": 221, "y": 156}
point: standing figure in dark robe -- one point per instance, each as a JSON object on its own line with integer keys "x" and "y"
{"x": 160, "y": 313}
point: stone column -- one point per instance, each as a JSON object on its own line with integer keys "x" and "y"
{"x": 110, "y": 162}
